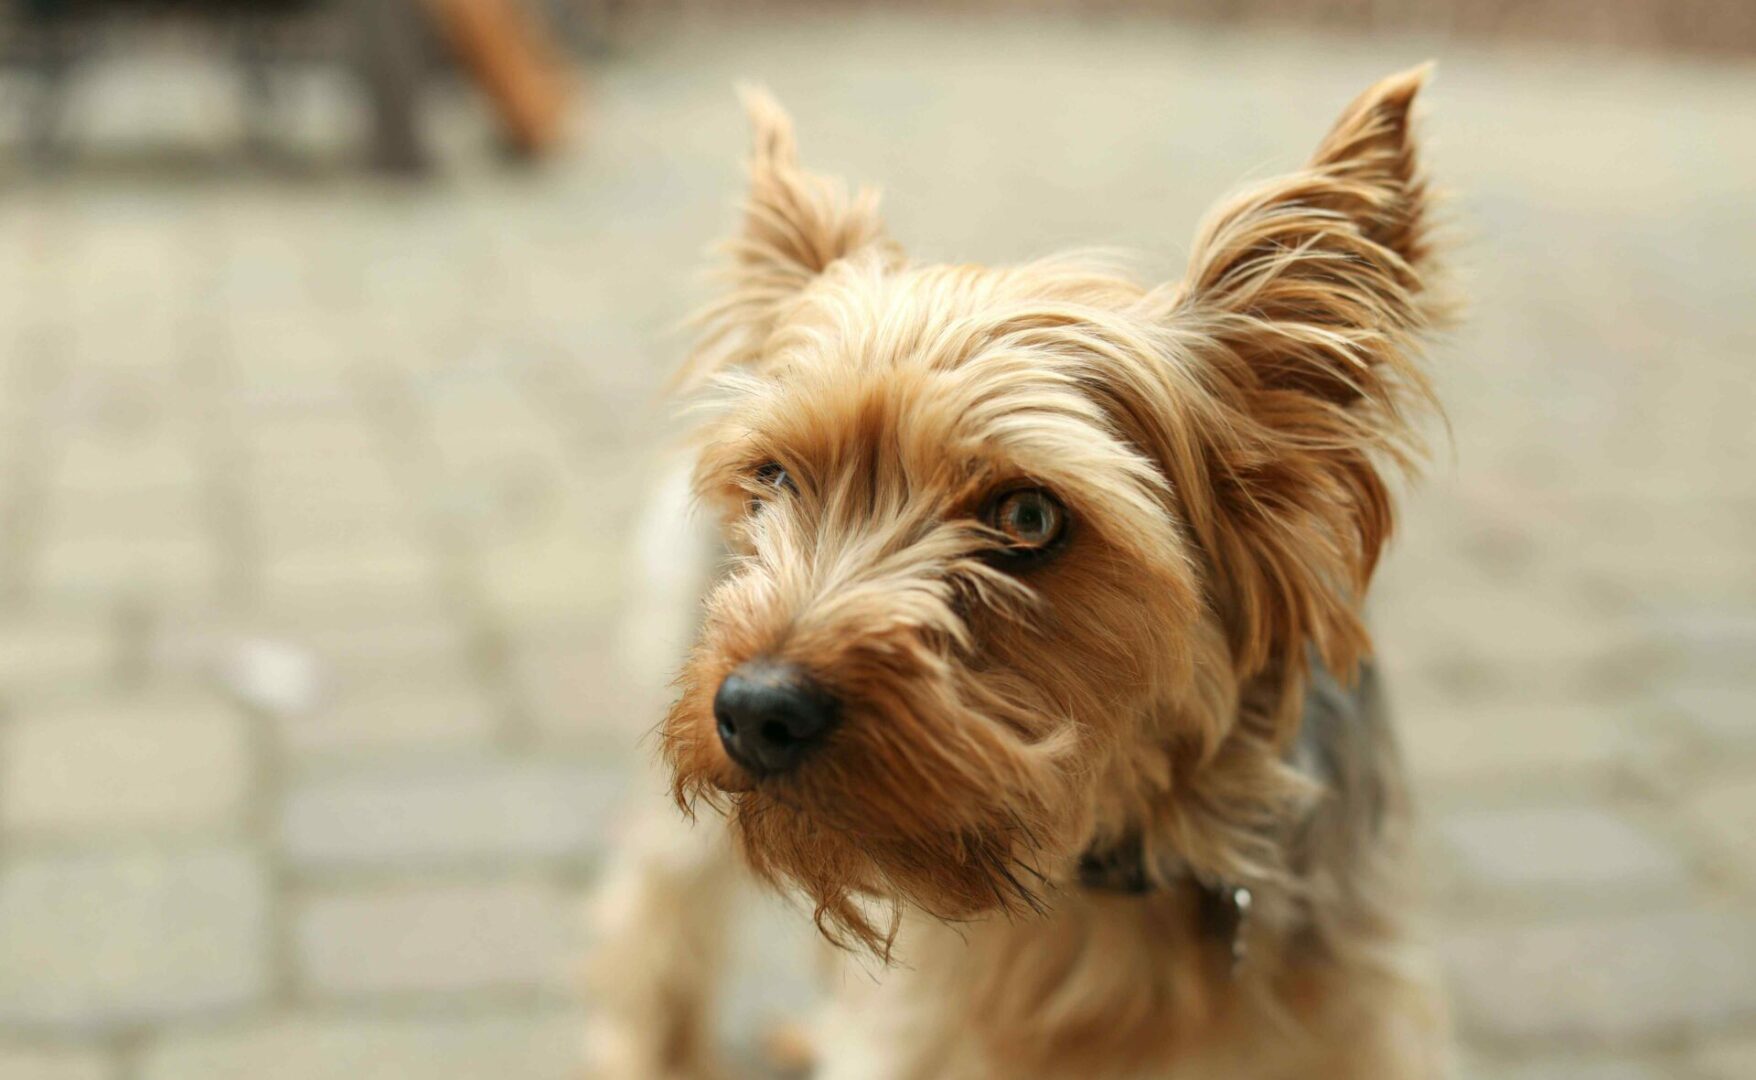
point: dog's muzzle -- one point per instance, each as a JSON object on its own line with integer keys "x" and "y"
{"x": 770, "y": 715}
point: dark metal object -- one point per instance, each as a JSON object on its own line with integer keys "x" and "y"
{"x": 1225, "y": 911}
{"x": 390, "y": 60}
{"x": 387, "y": 44}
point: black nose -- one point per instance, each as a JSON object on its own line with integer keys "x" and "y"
{"x": 770, "y": 715}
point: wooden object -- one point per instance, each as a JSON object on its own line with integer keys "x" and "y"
{"x": 510, "y": 58}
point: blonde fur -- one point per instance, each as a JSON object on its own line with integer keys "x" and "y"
{"x": 1224, "y": 448}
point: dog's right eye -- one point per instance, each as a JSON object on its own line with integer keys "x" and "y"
{"x": 773, "y": 474}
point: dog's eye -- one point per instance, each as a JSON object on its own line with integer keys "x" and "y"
{"x": 773, "y": 474}
{"x": 1030, "y": 518}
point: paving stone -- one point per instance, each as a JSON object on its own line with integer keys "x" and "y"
{"x": 553, "y": 552}
{"x": 318, "y": 475}
{"x": 1722, "y": 715}
{"x": 157, "y": 514}
{"x": 314, "y": 448}
{"x": 123, "y": 765}
{"x": 1606, "y": 980}
{"x": 534, "y": 1046}
{"x": 126, "y": 568}
{"x": 1563, "y": 1067}
{"x": 1690, "y": 552}
{"x": 495, "y": 501}
{"x": 438, "y": 715}
{"x": 1518, "y": 635}
{"x": 467, "y": 810}
{"x": 1711, "y": 644}
{"x": 306, "y": 531}
{"x": 335, "y": 430}
{"x": 1731, "y": 1057}
{"x": 310, "y": 507}
{"x": 1725, "y": 813}
{"x": 98, "y": 467}
{"x": 577, "y": 689}
{"x": 57, "y": 650}
{"x": 390, "y": 569}
{"x": 441, "y": 938}
{"x": 546, "y": 577}
{"x": 98, "y": 942}
{"x": 1498, "y": 740}
{"x": 354, "y": 639}
{"x": 21, "y": 1064}
{"x": 375, "y": 639}
{"x": 1557, "y": 848}
{"x": 481, "y": 407}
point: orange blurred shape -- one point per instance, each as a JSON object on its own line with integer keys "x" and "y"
{"x": 509, "y": 56}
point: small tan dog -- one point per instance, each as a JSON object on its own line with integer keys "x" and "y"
{"x": 1038, "y": 667}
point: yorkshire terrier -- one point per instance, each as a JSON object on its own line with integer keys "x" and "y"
{"x": 1035, "y": 665}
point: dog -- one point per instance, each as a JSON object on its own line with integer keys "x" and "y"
{"x": 1035, "y": 666}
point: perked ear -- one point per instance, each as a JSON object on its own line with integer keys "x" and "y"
{"x": 1305, "y": 304}
{"x": 795, "y": 224}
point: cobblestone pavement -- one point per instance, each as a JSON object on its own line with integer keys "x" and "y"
{"x": 267, "y": 427}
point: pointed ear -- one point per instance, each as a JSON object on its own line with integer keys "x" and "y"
{"x": 1305, "y": 305}
{"x": 795, "y": 225}
{"x": 795, "y": 222}
{"x": 1369, "y": 159}
{"x": 1342, "y": 243}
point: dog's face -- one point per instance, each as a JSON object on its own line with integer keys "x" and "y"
{"x": 1011, "y": 545}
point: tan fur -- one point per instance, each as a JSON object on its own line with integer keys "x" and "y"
{"x": 1222, "y": 445}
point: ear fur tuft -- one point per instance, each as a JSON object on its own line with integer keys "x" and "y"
{"x": 796, "y": 224}
{"x": 1306, "y": 304}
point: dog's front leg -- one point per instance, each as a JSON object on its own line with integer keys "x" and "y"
{"x": 660, "y": 912}
{"x": 658, "y": 926}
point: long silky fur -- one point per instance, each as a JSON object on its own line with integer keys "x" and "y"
{"x": 1226, "y": 446}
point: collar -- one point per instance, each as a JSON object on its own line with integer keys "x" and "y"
{"x": 1222, "y": 908}
{"x": 1334, "y": 722}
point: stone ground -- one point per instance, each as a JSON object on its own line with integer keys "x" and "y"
{"x": 261, "y": 426}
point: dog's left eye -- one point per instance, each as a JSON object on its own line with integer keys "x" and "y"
{"x": 1030, "y": 518}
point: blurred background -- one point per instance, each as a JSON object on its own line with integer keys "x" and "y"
{"x": 331, "y": 338}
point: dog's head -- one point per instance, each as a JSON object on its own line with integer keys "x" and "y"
{"x": 1030, "y": 559}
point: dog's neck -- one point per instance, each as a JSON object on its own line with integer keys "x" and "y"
{"x": 1222, "y": 907}
{"x": 1339, "y": 751}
